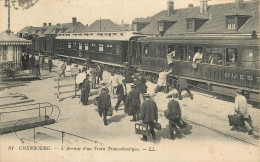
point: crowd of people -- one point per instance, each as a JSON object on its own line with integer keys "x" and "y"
{"x": 138, "y": 103}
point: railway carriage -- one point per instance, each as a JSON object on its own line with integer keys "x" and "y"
{"x": 111, "y": 49}
{"x": 229, "y": 61}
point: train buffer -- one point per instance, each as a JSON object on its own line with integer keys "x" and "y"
{"x": 27, "y": 116}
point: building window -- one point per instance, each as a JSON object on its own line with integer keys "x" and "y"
{"x": 100, "y": 48}
{"x": 5, "y": 53}
{"x": 69, "y": 44}
{"x": 231, "y": 57}
{"x": 80, "y": 46}
{"x": 190, "y": 25}
{"x": 109, "y": 48}
{"x": 86, "y": 46}
{"x": 231, "y": 23}
{"x": 161, "y": 27}
{"x": 214, "y": 55}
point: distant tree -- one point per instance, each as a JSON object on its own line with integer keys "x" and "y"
{"x": 23, "y": 4}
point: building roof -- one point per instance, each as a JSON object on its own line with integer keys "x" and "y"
{"x": 103, "y": 25}
{"x": 12, "y": 39}
{"x": 215, "y": 17}
{"x": 78, "y": 28}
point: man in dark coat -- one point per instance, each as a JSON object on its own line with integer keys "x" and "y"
{"x": 27, "y": 61}
{"x": 50, "y": 64}
{"x": 182, "y": 84}
{"x": 104, "y": 104}
{"x": 32, "y": 65}
{"x": 133, "y": 103}
{"x": 121, "y": 92}
{"x": 140, "y": 84}
{"x": 174, "y": 116}
{"x": 85, "y": 89}
{"x": 149, "y": 115}
{"x": 99, "y": 71}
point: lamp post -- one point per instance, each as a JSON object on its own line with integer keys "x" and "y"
{"x": 7, "y": 4}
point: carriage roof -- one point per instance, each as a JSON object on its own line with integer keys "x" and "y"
{"x": 110, "y": 36}
{"x": 242, "y": 39}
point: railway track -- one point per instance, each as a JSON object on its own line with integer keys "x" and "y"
{"x": 217, "y": 131}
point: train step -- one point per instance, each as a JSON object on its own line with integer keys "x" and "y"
{"x": 23, "y": 124}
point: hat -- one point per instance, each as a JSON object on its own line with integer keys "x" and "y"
{"x": 87, "y": 75}
{"x": 146, "y": 95}
{"x": 133, "y": 85}
{"x": 104, "y": 88}
{"x": 239, "y": 91}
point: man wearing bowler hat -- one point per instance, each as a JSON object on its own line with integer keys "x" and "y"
{"x": 104, "y": 104}
{"x": 149, "y": 115}
{"x": 133, "y": 103}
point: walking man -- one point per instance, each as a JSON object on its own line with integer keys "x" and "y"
{"x": 133, "y": 103}
{"x": 50, "y": 64}
{"x": 182, "y": 85}
{"x": 63, "y": 68}
{"x": 93, "y": 77}
{"x": 241, "y": 108}
{"x": 99, "y": 71}
{"x": 104, "y": 104}
{"x": 149, "y": 115}
{"x": 113, "y": 82}
{"x": 121, "y": 94}
{"x": 174, "y": 117}
{"x": 85, "y": 89}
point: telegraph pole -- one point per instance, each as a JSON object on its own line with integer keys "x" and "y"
{"x": 7, "y": 4}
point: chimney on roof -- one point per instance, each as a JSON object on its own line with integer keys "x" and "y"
{"x": 190, "y": 5}
{"x": 58, "y": 24}
{"x": 44, "y": 24}
{"x": 86, "y": 25}
{"x": 74, "y": 21}
{"x": 170, "y": 7}
{"x": 49, "y": 24}
{"x": 239, "y": 4}
{"x": 203, "y": 6}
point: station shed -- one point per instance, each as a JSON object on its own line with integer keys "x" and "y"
{"x": 11, "y": 48}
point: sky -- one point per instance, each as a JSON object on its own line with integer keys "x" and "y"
{"x": 87, "y": 11}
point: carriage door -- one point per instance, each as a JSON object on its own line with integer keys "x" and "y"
{"x": 131, "y": 52}
{"x": 124, "y": 52}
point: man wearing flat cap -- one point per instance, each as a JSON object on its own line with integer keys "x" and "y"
{"x": 104, "y": 104}
{"x": 149, "y": 115}
{"x": 133, "y": 103}
{"x": 241, "y": 108}
{"x": 85, "y": 90}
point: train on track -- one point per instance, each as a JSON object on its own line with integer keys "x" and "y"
{"x": 229, "y": 61}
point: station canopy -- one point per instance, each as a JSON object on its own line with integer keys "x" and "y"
{"x": 12, "y": 39}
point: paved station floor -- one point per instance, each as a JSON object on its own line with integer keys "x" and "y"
{"x": 119, "y": 141}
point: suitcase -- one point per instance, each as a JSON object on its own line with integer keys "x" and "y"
{"x": 236, "y": 120}
{"x": 157, "y": 126}
{"x": 143, "y": 129}
{"x": 109, "y": 112}
{"x": 182, "y": 124}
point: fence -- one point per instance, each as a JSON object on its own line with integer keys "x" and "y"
{"x": 66, "y": 86}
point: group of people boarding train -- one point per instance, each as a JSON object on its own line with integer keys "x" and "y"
{"x": 139, "y": 104}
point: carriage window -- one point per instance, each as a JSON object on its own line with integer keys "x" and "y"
{"x": 5, "y": 53}
{"x": 109, "y": 48}
{"x": 145, "y": 50}
{"x": 159, "y": 51}
{"x": 231, "y": 57}
{"x": 100, "y": 48}
{"x": 75, "y": 44}
{"x": 250, "y": 59}
{"x": 214, "y": 56}
{"x": 80, "y": 46}
{"x": 93, "y": 47}
{"x": 117, "y": 49}
{"x": 181, "y": 53}
{"x": 86, "y": 46}
{"x": 69, "y": 44}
